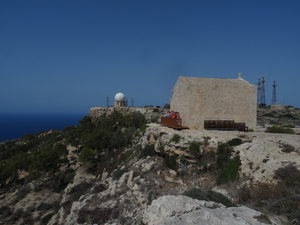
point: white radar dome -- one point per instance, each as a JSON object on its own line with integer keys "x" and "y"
{"x": 120, "y": 97}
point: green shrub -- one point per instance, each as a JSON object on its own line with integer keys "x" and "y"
{"x": 22, "y": 192}
{"x": 88, "y": 157}
{"x": 281, "y": 130}
{"x": 223, "y": 154}
{"x": 79, "y": 190}
{"x": 171, "y": 161}
{"x": 162, "y": 150}
{"x": 194, "y": 148}
{"x": 288, "y": 148}
{"x": 261, "y": 193}
{"x": 235, "y": 142}
{"x": 155, "y": 119}
{"x": 289, "y": 175}
{"x": 289, "y": 206}
{"x": 143, "y": 128}
{"x": 167, "y": 106}
{"x": 289, "y": 126}
{"x": 94, "y": 216}
{"x": 148, "y": 151}
{"x": 176, "y": 138}
{"x": 230, "y": 173}
{"x": 209, "y": 195}
{"x": 47, "y": 218}
{"x": 118, "y": 173}
{"x": 268, "y": 115}
{"x": 289, "y": 116}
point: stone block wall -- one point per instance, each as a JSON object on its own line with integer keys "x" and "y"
{"x": 198, "y": 99}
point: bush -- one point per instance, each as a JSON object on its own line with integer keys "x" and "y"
{"x": 223, "y": 154}
{"x": 176, "y": 138}
{"x": 289, "y": 116}
{"x": 88, "y": 157}
{"x": 194, "y": 148}
{"x": 261, "y": 193}
{"x": 289, "y": 175}
{"x": 47, "y": 218}
{"x": 230, "y": 173}
{"x": 290, "y": 207}
{"x": 94, "y": 216}
{"x": 79, "y": 190}
{"x": 235, "y": 142}
{"x": 209, "y": 195}
{"x": 288, "y": 148}
{"x": 148, "y": 151}
{"x": 22, "y": 192}
{"x": 282, "y": 130}
{"x": 118, "y": 173}
{"x": 171, "y": 161}
{"x": 268, "y": 115}
{"x": 167, "y": 106}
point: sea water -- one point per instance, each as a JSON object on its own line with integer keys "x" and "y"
{"x": 13, "y": 126}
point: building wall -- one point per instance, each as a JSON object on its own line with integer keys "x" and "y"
{"x": 198, "y": 99}
{"x": 278, "y": 107}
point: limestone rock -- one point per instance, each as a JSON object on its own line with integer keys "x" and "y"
{"x": 182, "y": 210}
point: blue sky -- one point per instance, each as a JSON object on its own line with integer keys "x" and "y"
{"x": 69, "y": 55}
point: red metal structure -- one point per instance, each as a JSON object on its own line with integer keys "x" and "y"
{"x": 172, "y": 122}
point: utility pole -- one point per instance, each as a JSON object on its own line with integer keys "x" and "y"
{"x": 263, "y": 96}
{"x": 258, "y": 92}
{"x": 274, "y": 101}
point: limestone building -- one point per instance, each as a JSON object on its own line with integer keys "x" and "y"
{"x": 198, "y": 99}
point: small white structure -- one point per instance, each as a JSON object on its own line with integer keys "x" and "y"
{"x": 120, "y": 100}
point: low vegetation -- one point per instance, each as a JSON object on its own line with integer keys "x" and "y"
{"x": 108, "y": 143}
{"x": 209, "y": 195}
{"x": 282, "y": 130}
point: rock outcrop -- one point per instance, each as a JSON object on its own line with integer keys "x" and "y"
{"x": 182, "y": 210}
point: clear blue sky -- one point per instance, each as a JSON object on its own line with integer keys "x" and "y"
{"x": 69, "y": 55}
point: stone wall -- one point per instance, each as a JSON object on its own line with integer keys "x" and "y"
{"x": 152, "y": 114}
{"x": 198, "y": 99}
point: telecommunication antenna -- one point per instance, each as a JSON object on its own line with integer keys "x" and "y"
{"x": 107, "y": 102}
{"x": 258, "y": 92}
{"x": 263, "y": 96}
{"x": 132, "y": 102}
{"x": 274, "y": 101}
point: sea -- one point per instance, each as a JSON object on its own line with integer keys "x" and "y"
{"x": 14, "y": 126}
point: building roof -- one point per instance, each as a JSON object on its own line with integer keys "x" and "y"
{"x": 198, "y": 80}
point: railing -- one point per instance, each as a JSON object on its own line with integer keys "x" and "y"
{"x": 172, "y": 122}
{"x": 224, "y": 125}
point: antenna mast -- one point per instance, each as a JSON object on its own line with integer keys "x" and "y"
{"x": 132, "y": 102}
{"x": 107, "y": 102}
{"x": 274, "y": 101}
{"x": 263, "y": 96}
{"x": 258, "y": 92}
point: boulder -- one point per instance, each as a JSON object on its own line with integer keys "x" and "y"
{"x": 182, "y": 210}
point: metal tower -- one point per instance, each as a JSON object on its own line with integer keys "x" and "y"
{"x": 132, "y": 102}
{"x": 262, "y": 94}
{"x": 258, "y": 92}
{"x": 107, "y": 102}
{"x": 274, "y": 101}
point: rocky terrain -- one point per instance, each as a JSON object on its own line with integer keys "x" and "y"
{"x": 151, "y": 182}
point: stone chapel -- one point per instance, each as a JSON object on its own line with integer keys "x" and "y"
{"x": 198, "y": 99}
